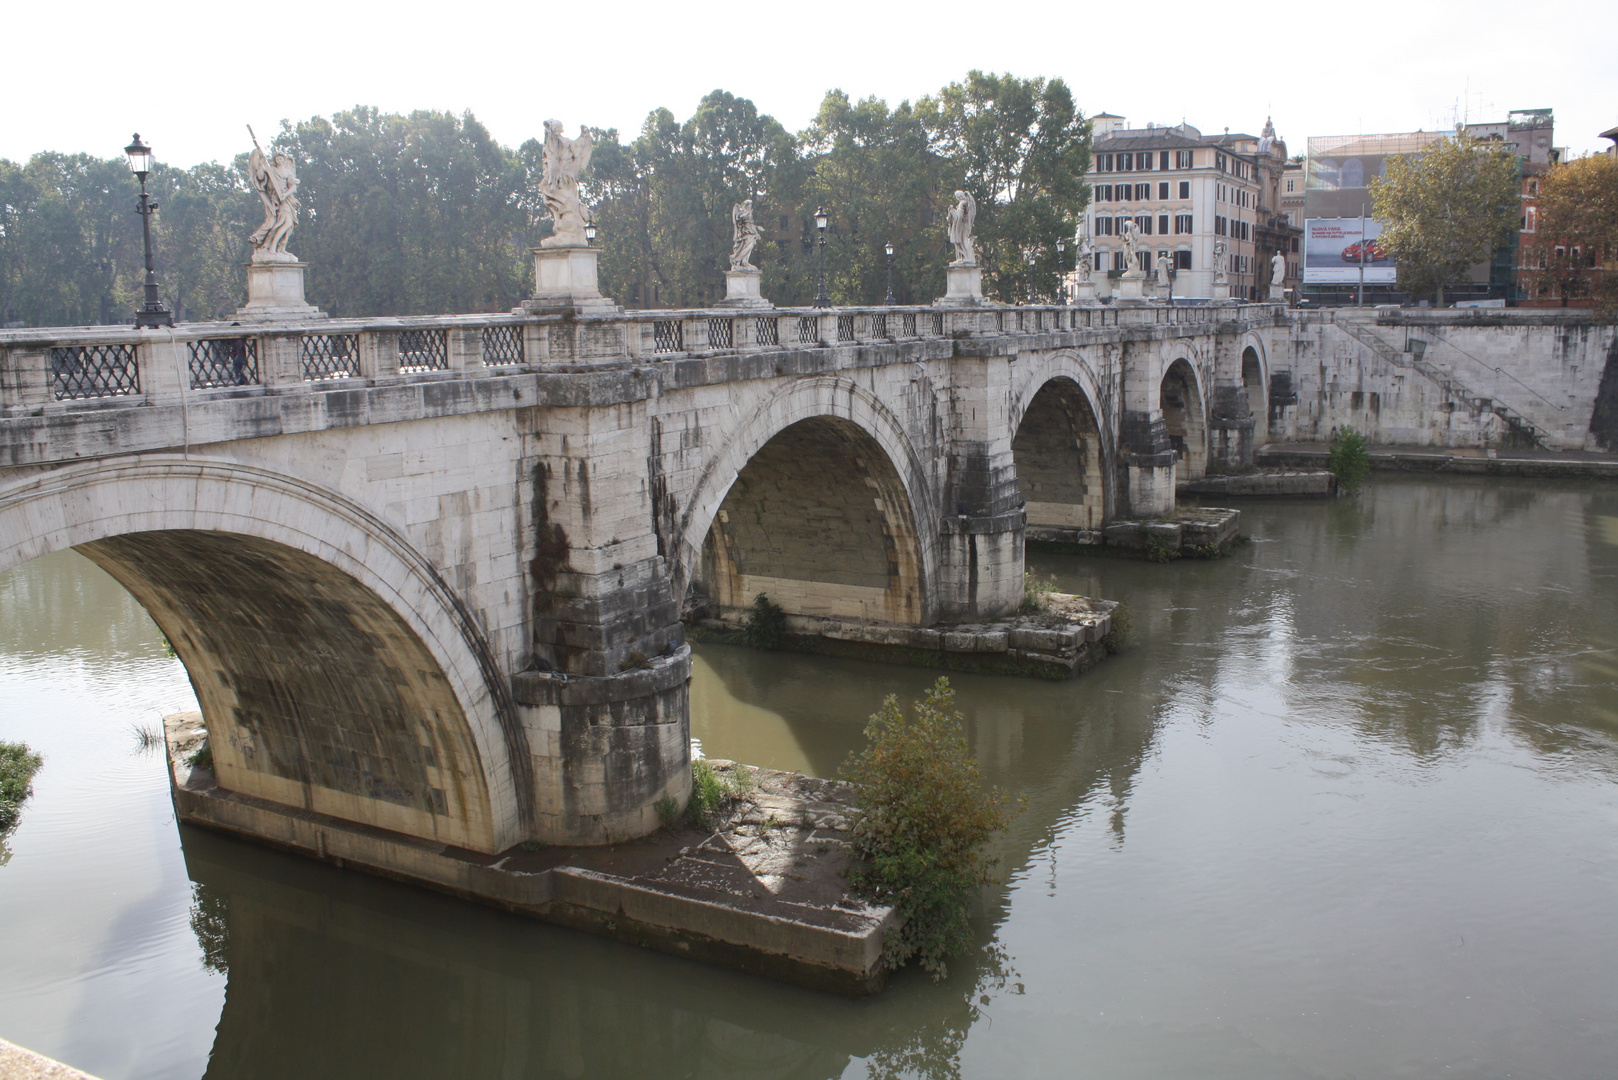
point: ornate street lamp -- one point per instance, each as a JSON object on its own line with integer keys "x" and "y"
{"x": 821, "y": 221}
{"x": 1061, "y": 272}
{"x": 1030, "y": 277}
{"x": 153, "y": 313}
{"x": 889, "y": 249}
{"x": 589, "y": 233}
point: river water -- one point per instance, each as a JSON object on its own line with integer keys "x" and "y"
{"x": 1346, "y": 807}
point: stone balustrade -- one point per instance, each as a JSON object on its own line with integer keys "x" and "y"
{"x": 74, "y": 368}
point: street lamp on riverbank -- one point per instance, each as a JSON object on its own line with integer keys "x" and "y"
{"x": 889, "y": 249}
{"x": 153, "y": 313}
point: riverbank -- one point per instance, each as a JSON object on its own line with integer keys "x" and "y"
{"x": 20, "y": 1063}
{"x": 762, "y": 888}
{"x": 1487, "y": 462}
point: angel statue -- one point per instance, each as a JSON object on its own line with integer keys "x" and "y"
{"x": 745, "y": 236}
{"x": 961, "y": 218}
{"x": 562, "y": 161}
{"x": 276, "y": 181}
{"x": 1165, "y": 267}
{"x": 1085, "y": 255}
{"x": 1219, "y": 263}
{"x": 1132, "y": 246}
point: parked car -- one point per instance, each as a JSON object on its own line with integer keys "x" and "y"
{"x": 1373, "y": 252}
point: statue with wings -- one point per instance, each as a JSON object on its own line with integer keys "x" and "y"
{"x": 562, "y": 162}
{"x": 961, "y": 218}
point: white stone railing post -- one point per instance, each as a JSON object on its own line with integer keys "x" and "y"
{"x": 379, "y": 354}
{"x": 465, "y": 348}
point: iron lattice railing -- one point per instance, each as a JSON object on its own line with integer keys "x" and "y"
{"x": 879, "y": 326}
{"x": 93, "y": 371}
{"x": 845, "y": 328}
{"x": 502, "y": 345}
{"x": 808, "y": 331}
{"x": 767, "y": 331}
{"x": 938, "y": 324}
{"x": 330, "y": 356}
{"x": 231, "y": 361}
{"x": 721, "y": 332}
{"x": 423, "y": 350}
{"x": 907, "y": 323}
{"x": 668, "y": 335}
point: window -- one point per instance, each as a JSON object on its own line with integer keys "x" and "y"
{"x": 1101, "y": 262}
{"x": 1182, "y": 224}
{"x": 1103, "y": 163}
{"x": 1143, "y": 224}
{"x": 1185, "y": 189}
{"x": 1163, "y": 224}
{"x": 1163, "y": 160}
{"x": 1118, "y": 260}
{"x": 1219, "y": 225}
{"x": 1126, "y": 162}
{"x": 1121, "y": 225}
{"x": 1530, "y": 221}
{"x": 1103, "y": 193}
{"x": 1294, "y": 243}
{"x": 1143, "y": 161}
{"x": 1103, "y": 226}
{"x": 1219, "y": 162}
{"x": 1182, "y": 159}
{"x": 1143, "y": 192}
{"x": 1291, "y": 185}
{"x": 1182, "y": 260}
{"x": 1163, "y": 190}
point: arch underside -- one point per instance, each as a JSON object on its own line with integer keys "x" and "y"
{"x": 1059, "y": 458}
{"x": 1185, "y": 419}
{"x": 819, "y": 521}
{"x": 1257, "y": 392}
{"x": 316, "y": 694}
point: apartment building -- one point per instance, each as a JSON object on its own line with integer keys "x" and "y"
{"x": 1185, "y": 192}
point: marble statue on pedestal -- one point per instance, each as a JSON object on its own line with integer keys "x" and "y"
{"x": 1085, "y": 256}
{"x": 1165, "y": 263}
{"x": 1132, "y": 248}
{"x": 1278, "y": 272}
{"x": 562, "y": 162}
{"x": 1219, "y": 263}
{"x": 745, "y": 236}
{"x": 276, "y": 181}
{"x": 961, "y": 218}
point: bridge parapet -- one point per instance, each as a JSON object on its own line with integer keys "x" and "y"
{"x": 76, "y": 368}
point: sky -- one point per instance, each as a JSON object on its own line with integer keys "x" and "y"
{"x": 85, "y": 75}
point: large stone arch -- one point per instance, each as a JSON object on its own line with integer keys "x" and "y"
{"x": 337, "y": 671}
{"x": 1064, "y": 473}
{"x": 851, "y": 412}
{"x": 1254, "y": 372}
{"x": 1183, "y": 401}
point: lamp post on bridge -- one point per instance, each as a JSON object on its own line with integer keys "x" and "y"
{"x": 821, "y": 221}
{"x": 889, "y": 249}
{"x": 152, "y": 314}
{"x": 1061, "y": 272}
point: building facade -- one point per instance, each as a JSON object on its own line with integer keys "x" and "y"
{"x": 1185, "y": 192}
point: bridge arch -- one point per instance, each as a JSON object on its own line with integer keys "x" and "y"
{"x": 815, "y": 500}
{"x": 1061, "y": 449}
{"x": 1185, "y": 415}
{"x": 336, "y": 670}
{"x": 1255, "y": 380}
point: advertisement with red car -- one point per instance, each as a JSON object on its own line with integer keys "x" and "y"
{"x": 1334, "y": 250}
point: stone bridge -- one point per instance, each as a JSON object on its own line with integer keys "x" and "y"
{"x": 427, "y": 574}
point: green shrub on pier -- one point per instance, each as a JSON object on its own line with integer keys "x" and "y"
{"x": 18, "y": 764}
{"x": 1350, "y": 460}
{"x": 921, "y": 826}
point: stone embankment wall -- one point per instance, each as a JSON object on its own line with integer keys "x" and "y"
{"x": 1447, "y": 378}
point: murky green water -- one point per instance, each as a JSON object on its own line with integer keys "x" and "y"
{"x": 1347, "y": 808}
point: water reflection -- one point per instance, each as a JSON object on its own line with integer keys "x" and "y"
{"x": 1344, "y": 808}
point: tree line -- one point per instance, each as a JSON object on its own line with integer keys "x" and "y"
{"x": 426, "y": 213}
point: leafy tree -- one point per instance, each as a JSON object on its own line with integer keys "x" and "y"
{"x": 880, "y": 182}
{"x": 1575, "y": 248}
{"x": 1022, "y": 148}
{"x": 1350, "y": 459}
{"x": 922, "y": 823}
{"x": 1446, "y": 209}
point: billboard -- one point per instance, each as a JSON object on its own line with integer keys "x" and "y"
{"x": 1333, "y": 249}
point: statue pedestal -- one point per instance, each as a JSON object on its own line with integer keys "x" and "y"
{"x": 275, "y": 292}
{"x": 1130, "y": 288}
{"x": 742, "y": 290}
{"x": 1221, "y": 292}
{"x": 565, "y": 279}
{"x": 1084, "y": 292}
{"x": 964, "y": 285}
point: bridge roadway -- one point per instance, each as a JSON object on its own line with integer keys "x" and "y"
{"x": 427, "y": 574}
